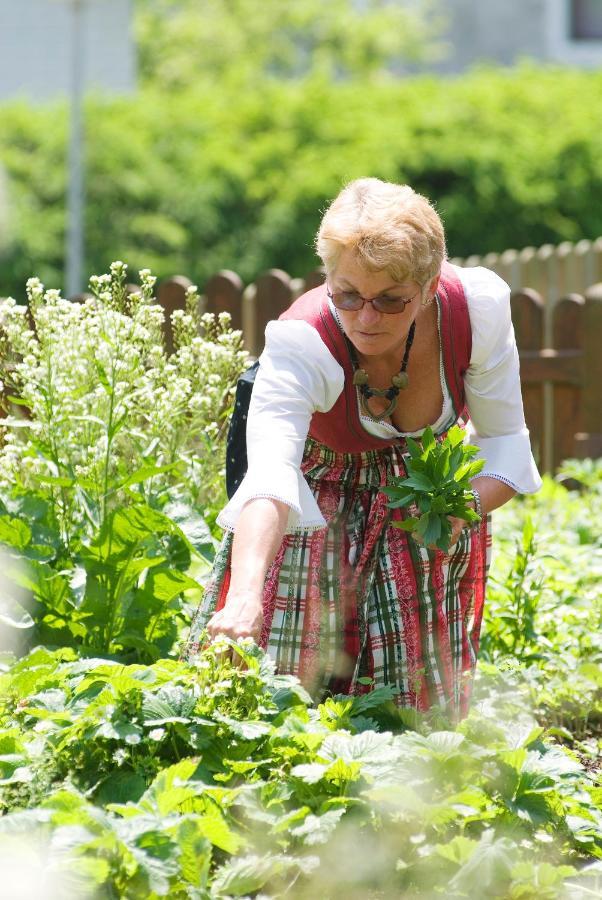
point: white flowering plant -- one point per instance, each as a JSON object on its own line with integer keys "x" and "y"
{"x": 112, "y": 454}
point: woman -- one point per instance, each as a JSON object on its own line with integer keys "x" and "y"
{"x": 311, "y": 566}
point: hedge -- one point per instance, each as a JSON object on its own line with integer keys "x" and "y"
{"x": 207, "y": 179}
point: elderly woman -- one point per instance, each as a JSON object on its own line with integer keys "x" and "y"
{"x": 312, "y": 566}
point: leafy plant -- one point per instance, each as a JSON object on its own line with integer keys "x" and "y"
{"x": 118, "y": 593}
{"x": 112, "y": 455}
{"x": 513, "y": 631}
{"x": 543, "y": 613}
{"x": 437, "y": 485}
{"x": 168, "y": 779}
{"x": 99, "y": 414}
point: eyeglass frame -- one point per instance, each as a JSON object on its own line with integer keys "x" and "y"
{"x": 373, "y": 300}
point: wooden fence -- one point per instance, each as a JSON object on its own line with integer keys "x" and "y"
{"x": 559, "y": 339}
{"x": 557, "y": 314}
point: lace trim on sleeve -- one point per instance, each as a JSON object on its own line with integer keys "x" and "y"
{"x": 500, "y": 478}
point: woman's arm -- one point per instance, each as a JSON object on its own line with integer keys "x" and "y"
{"x": 259, "y": 533}
{"x": 493, "y": 493}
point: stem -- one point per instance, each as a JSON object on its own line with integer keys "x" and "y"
{"x": 174, "y": 745}
{"x": 108, "y": 450}
{"x": 49, "y": 405}
{"x": 113, "y": 596}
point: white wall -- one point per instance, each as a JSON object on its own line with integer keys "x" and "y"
{"x": 36, "y": 44}
{"x": 507, "y": 31}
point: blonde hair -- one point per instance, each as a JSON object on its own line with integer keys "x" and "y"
{"x": 389, "y": 226}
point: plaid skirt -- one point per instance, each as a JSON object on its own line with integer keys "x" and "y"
{"x": 359, "y": 603}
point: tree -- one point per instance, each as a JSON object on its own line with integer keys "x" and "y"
{"x": 184, "y": 41}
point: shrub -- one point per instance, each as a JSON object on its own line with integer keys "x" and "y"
{"x": 211, "y": 177}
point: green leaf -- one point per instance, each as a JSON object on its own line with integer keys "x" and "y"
{"x": 409, "y": 524}
{"x": 195, "y": 852}
{"x": 170, "y": 703}
{"x": 214, "y": 827}
{"x": 458, "y": 850}
{"x": 310, "y": 773}
{"x": 455, "y": 436}
{"x": 591, "y": 672}
{"x": 489, "y": 865}
{"x": 430, "y": 528}
{"x": 414, "y": 448}
{"x": 165, "y": 584}
{"x": 442, "y": 465}
{"x": 400, "y": 500}
{"x": 427, "y": 438}
{"x": 103, "y": 378}
{"x": 121, "y": 787}
{"x": 249, "y": 874}
{"x": 14, "y": 533}
{"x": 419, "y": 482}
{"x": 445, "y": 743}
{"x": 146, "y": 472}
{"x": 13, "y": 614}
{"x": 318, "y": 829}
{"x": 193, "y": 527}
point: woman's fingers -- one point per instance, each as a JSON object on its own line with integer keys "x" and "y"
{"x": 457, "y": 527}
{"x": 241, "y": 617}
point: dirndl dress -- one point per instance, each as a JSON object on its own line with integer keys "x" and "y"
{"x": 360, "y": 603}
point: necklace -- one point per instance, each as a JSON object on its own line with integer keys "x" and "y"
{"x": 399, "y": 382}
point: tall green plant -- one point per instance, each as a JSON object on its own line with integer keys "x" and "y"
{"x": 512, "y": 629}
{"x": 112, "y": 454}
{"x": 108, "y": 415}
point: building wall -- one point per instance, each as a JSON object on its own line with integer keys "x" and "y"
{"x": 506, "y": 31}
{"x": 36, "y": 44}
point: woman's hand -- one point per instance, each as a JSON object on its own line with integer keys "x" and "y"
{"x": 242, "y": 616}
{"x": 457, "y": 527}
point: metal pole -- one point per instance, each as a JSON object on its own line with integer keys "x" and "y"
{"x": 75, "y": 195}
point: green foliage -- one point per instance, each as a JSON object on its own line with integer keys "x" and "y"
{"x": 112, "y": 456}
{"x": 437, "y": 485}
{"x": 200, "y": 779}
{"x": 174, "y": 777}
{"x": 543, "y": 614}
{"x": 512, "y": 630}
{"x": 241, "y": 41}
{"x": 219, "y": 176}
{"x": 109, "y": 415}
{"x": 118, "y": 593}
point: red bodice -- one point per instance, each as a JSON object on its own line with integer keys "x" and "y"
{"x": 340, "y": 428}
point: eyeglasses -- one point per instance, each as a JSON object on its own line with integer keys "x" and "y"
{"x": 351, "y": 300}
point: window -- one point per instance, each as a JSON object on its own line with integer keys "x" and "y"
{"x": 586, "y": 20}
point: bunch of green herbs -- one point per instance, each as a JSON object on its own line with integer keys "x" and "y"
{"x": 437, "y": 485}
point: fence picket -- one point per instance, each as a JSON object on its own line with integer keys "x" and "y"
{"x": 528, "y": 318}
{"x": 589, "y": 441}
{"x": 171, "y": 294}
{"x": 223, "y": 293}
{"x": 273, "y": 295}
{"x": 568, "y": 340}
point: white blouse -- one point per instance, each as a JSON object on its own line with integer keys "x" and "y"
{"x": 298, "y": 376}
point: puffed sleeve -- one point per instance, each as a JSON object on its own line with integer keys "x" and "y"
{"x": 492, "y": 384}
{"x": 297, "y": 376}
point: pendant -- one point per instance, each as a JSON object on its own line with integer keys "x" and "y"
{"x": 400, "y": 381}
{"x": 378, "y": 417}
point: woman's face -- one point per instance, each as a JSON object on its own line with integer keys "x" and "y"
{"x": 374, "y": 333}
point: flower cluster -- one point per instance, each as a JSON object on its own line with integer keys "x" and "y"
{"x": 95, "y": 407}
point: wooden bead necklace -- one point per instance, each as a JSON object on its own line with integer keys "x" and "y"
{"x": 399, "y": 382}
